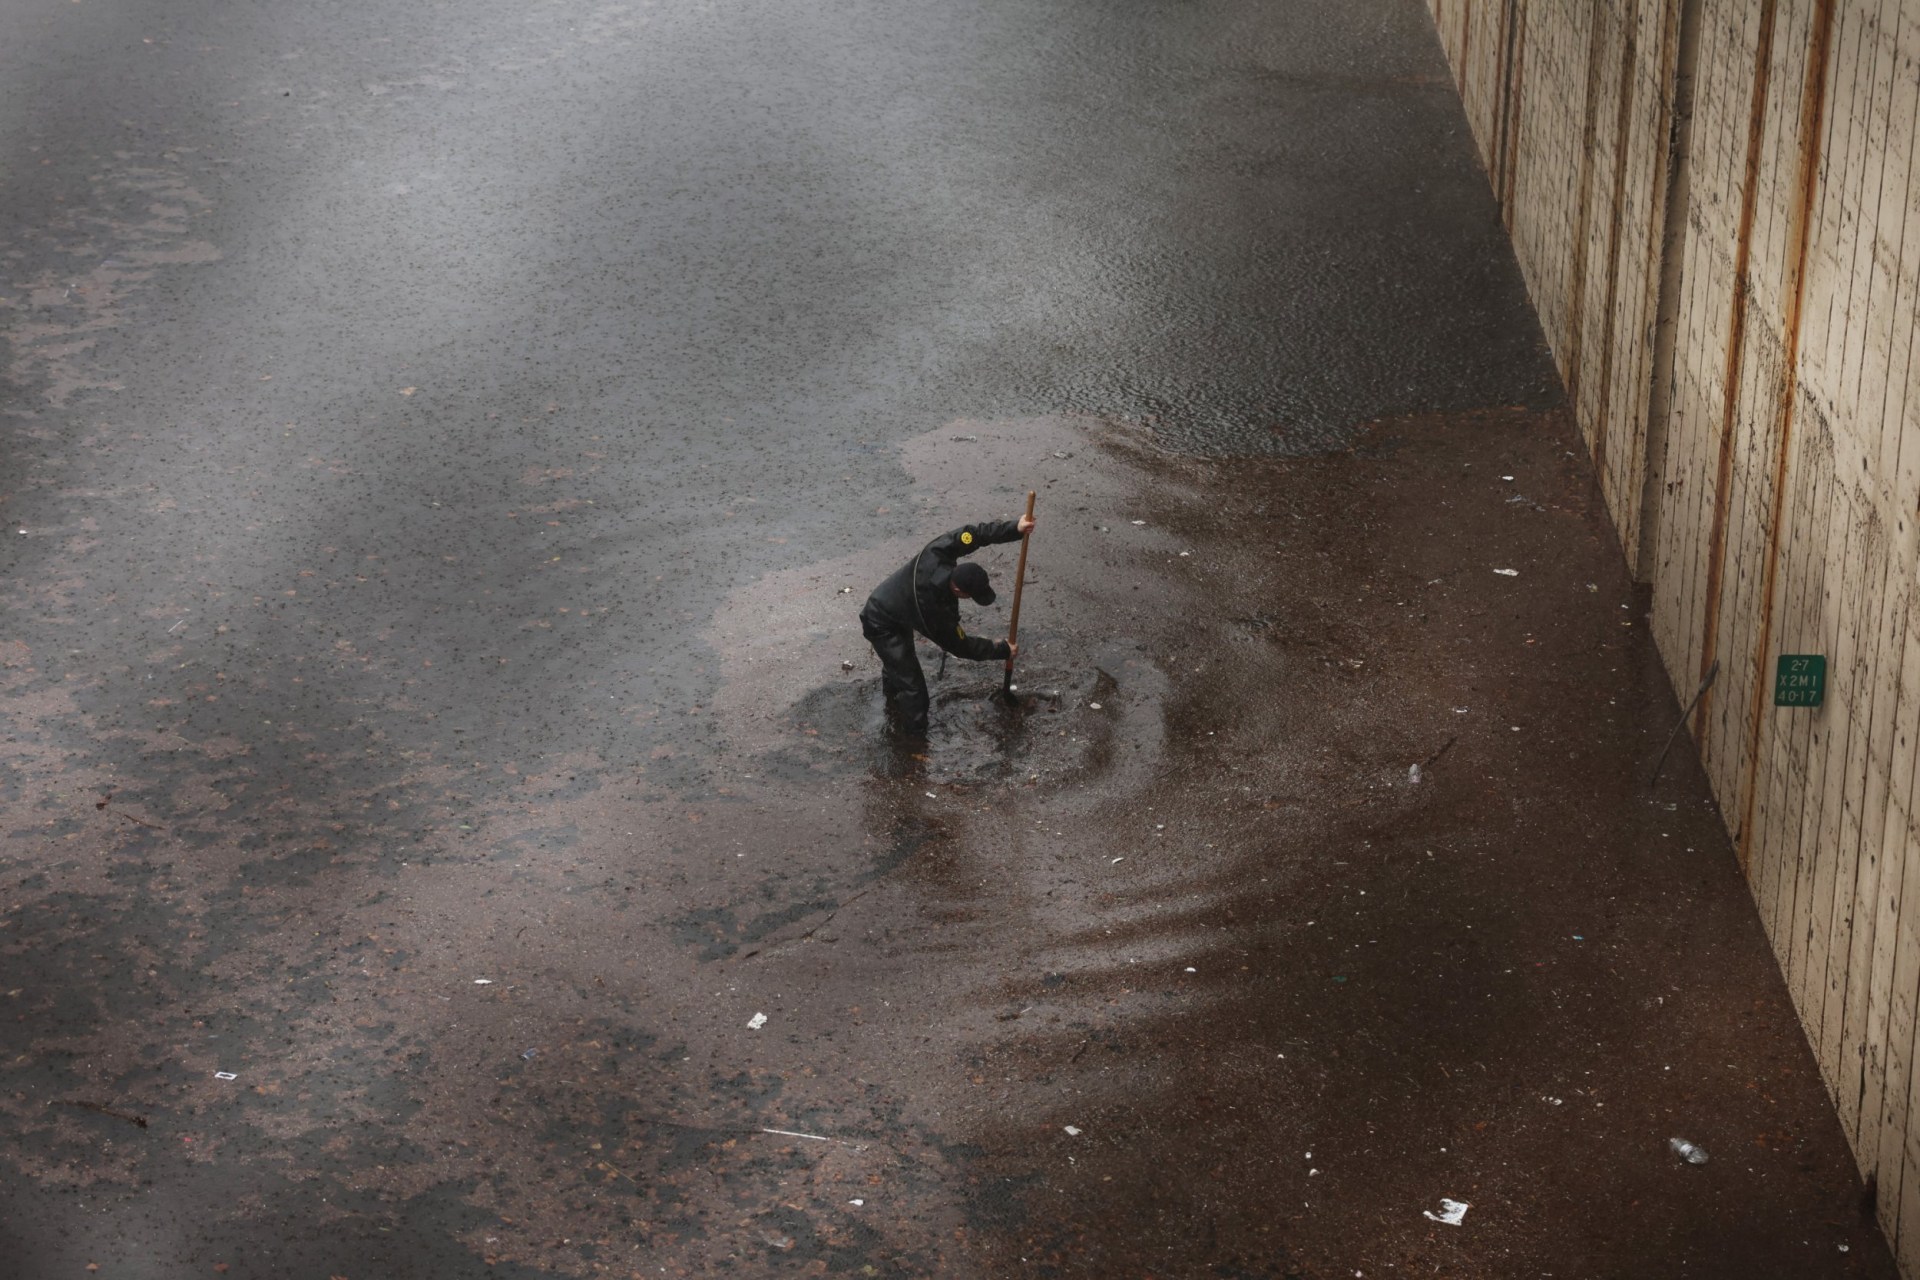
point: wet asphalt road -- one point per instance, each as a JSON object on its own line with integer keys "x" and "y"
{"x": 445, "y": 449}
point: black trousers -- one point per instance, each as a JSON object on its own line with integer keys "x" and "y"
{"x": 901, "y": 679}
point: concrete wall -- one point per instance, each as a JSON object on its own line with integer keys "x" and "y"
{"x": 1716, "y": 207}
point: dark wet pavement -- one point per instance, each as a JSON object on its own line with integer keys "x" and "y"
{"x": 445, "y": 451}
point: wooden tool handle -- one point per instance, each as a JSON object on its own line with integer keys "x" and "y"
{"x": 1019, "y": 581}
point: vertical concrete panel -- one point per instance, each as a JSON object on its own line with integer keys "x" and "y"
{"x": 1777, "y": 864}
{"x": 1593, "y": 163}
{"x": 1673, "y": 139}
{"x": 1865, "y": 414}
{"x": 1481, "y": 68}
{"x": 1803, "y": 936}
{"x": 1820, "y": 834}
{"x": 1513, "y": 108}
{"x": 1611, "y": 128}
{"x": 1755, "y": 370}
{"x": 1549, "y": 136}
{"x": 1674, "y": 409}
{"x": 1888, "y": 766}
{"x": 1899, "y": 1196}
{"x": 1726, "y": 209}
{"x": 1890, "y": 1008}
{"x": 1728, "y": 43}
{"x": 1816, "y": 628}
{"x": 1638, "y": 205}
{"x": 1872, "y": 876}
{"x": 1569, "y": 207}
{"x": 1887, "y": 1094}
{"x": 1819, "y": 130}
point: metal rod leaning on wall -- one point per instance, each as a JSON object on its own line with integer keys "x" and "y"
{"x": 1698, "y": 694}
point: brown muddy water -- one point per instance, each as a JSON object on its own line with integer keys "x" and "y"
{"x": 1168, "y": 969}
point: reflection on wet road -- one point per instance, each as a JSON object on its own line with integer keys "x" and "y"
{"x": 445, "y": 451}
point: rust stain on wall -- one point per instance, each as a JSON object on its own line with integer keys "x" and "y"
{"x": 1813, "y": 110}
{"x": 1736, "y": 345}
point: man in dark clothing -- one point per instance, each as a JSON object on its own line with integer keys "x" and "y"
{"x": 924, "y": 595}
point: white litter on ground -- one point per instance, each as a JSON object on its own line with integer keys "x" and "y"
{"x": 1508, "y": 573}
{"x": 1452, "y": 1212}
{"x": 1071, "y": 1131}
{"x": 756, "y": 1022}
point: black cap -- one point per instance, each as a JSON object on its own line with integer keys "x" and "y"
{"x": 972, "y": 580}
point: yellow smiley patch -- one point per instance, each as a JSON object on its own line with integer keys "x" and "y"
{"x": 966, "y": 538}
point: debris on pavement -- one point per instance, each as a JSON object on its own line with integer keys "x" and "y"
{"x": 228, "y": 1075}
{"x": 101, "y": 1108}
{"x": 756, "y": 1022}
{"x": 1508, "y": 573}
{"x": 1688, "y": 1151}
{"x": 1071, "y": 1131}
{"x": 483, "y": 982}
{"x": 1452, "y": 1212}
{"x": 604, "y": 1167}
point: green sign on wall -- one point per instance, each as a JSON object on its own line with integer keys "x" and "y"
{"x": 1800, "y": 680}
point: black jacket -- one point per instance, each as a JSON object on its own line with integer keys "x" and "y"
{"x": 935, "y": 614}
